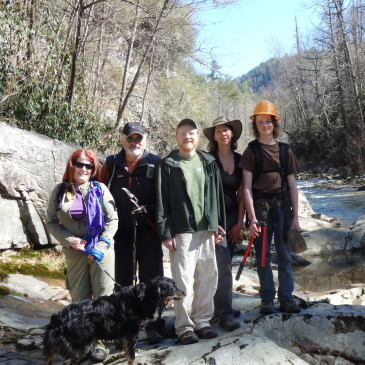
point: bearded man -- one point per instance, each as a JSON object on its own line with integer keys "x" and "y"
{"x": 136, "y": 240}
{"x": 191, "y": 220}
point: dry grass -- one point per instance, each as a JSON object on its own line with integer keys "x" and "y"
{"x": 46, "y": 263}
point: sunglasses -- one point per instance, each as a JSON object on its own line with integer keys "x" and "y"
{"x": 80, "y": 165}
{"x": 137, "y": 139}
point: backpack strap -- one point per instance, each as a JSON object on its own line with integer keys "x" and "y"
{"x": 284, "y": 160}
{"x": 60, "y": 194}
{"x": 110, "y": 162}
{"x": 256, "y": 149}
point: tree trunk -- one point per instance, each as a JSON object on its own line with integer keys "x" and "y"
{"x": 71, "y": 83}
{"x": 30, "y": 42}
{"x": 124, "y": 103}
{"x": 127, "y": 62}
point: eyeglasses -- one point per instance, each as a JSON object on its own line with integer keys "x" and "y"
{"x": 137, "y": 139}
{"x": 80, "y": 165}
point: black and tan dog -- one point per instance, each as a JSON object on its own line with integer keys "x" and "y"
{"x": 74, "y": 330}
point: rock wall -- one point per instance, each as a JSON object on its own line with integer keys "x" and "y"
{"x": 30, "y": 166}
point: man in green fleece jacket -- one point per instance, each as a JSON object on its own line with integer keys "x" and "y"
{"x": 190, "y": 216}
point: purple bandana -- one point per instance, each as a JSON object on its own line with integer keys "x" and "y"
{"x": 94, "y": 219}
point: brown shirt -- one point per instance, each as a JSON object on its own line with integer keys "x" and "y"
{"x": 269, "y": 182}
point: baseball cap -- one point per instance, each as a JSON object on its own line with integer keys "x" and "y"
{"x": 133, "y": 127}
{"x": 187, "y": 121}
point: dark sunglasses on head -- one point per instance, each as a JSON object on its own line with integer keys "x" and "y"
{"x": 137, "y": 139}
{"x": 80, "y": 165}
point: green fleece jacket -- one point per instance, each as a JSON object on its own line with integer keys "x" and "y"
{"x": 61, "y": 225}
{"x": 175, "y": 212}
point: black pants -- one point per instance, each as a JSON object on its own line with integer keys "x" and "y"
{"x": 223, "y": 295}
{"x": 148, "y": 253}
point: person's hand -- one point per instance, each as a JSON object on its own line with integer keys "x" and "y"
{"x": 219, "y": 236}
{"x": 295, "y": 224}
{"x": 170, "y": 243}
{"x": 234, "y": 232}
{"x": 255, "y": 228}
{"x": 78, "y": 243}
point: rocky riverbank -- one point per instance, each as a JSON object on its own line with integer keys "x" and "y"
{"x": 330, "y": 328}
{"x": 334, "y": 178}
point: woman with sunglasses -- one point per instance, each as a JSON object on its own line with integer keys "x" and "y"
{"x": 82, "y": 216}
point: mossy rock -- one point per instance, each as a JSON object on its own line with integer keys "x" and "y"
{"x": 25, "y": 268}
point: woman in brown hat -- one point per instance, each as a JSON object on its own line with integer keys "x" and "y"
{"x": 223, "y": 136}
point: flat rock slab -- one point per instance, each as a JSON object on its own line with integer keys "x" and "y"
{"x": 35, "y": 287}
{"x": 26, "y": 313}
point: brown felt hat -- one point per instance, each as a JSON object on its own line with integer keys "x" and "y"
{"x": 235, "y": 124}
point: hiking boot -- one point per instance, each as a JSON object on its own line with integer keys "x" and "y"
{"x": 229, "y": 324}
{"x": 289, "y": 306}
{"x": 206, "y": 333}
{"x": 153, "y": 337}
{"x": 99, "y": 355}
{"x": 188, "y": 337}
{"x": 267, "y": 306}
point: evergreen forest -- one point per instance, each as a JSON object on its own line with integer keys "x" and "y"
{"x": 78, "y": 70}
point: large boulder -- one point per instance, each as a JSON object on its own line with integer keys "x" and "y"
{"x": 324, "y": 241}
{"x": 321, "y": 334}
{"x": 30, "y": 166}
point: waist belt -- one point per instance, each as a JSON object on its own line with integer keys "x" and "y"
{"x": 267, "y": 203}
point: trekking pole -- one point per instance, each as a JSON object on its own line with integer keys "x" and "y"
{"x": 103, "y": 270}
{"x": 134, "y": 200}
{"x": 134, "y": 253}
{"x": 242, "y": 264}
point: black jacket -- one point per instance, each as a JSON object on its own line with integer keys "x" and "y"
{"x": 142, "y": 185}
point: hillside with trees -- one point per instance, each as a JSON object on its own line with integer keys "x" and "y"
{"x": 78, "y": 70}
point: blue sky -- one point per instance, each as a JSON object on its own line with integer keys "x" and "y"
{"x": 243, "y": 35}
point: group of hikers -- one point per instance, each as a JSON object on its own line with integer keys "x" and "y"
{"x": 112, "y": 219}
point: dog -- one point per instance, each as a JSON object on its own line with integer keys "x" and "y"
{"x": 73, "y": 331}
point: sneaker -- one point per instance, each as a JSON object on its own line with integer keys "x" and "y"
{"x": 229, "y": 324}
{"x": 99, "y": 355}
{"x": 206, "y": 333}
{"x": 188, "y": 337}
{"x": 289, "y": 306}
{"x": 267, "y": 306}
{"x": 153, "y": 337}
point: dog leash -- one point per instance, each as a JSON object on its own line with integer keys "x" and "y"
{"x": 103, "y": 270}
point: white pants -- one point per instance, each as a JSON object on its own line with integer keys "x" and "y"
{"x": 194, "y": 269}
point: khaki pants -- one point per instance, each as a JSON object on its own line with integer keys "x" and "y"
{"x": 84, "y": 278}
{"x": 194, "y": 269}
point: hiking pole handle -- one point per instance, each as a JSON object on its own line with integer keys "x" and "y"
{"x": 131, "y": 197}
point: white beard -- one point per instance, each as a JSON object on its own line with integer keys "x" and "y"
{"x": 135, "y": 152}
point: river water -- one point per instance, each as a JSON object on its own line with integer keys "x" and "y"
{"x": 334, "y": 271}
{"x": 347, "y": 204}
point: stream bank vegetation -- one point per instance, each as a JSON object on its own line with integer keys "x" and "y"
{"x": 44, "y": 263}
